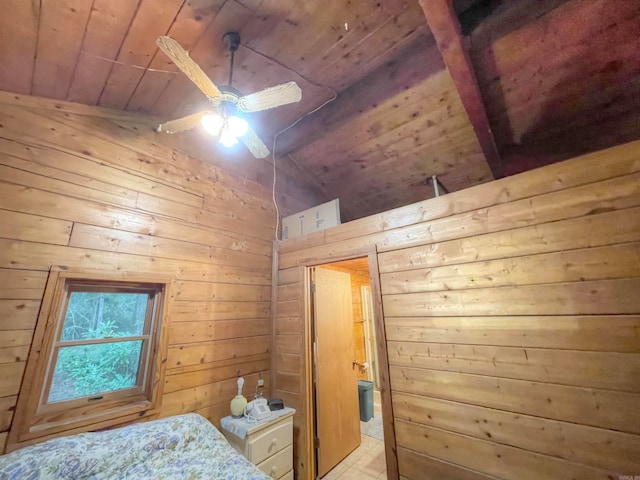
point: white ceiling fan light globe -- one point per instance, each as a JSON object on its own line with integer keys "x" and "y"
{"x": 227, "y": 138}
{"x": 212, "y": 123}
{"x": 238, "y": 126}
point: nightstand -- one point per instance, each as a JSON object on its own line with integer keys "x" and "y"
{"x": 267, "y": 444}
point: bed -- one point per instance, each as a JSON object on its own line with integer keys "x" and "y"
{"x": 181, "y": 447}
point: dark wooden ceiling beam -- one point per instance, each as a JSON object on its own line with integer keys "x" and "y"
{"x": 445, "y": 27}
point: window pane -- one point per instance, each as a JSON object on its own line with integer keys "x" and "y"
{"x": 103, "y": 315}
{"x": 83, "y": 370}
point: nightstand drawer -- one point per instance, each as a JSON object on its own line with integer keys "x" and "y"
{"x": 279, "y": 464}
{"x": 270, "y": 442}
{"x": 288, "y": 476}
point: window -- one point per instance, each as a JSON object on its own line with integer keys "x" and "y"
{"x": 102, "y": 341}
{"x": 99, "y": 357}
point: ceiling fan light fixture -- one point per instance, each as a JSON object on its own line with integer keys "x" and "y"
{"x": 228, "y": 130}
{"x": 212, "y": 123}
{"x": 227, "y": 139}
{"x": 238, "y": 126}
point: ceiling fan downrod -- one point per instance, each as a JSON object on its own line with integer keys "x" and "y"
{"x": 231, "y": 41}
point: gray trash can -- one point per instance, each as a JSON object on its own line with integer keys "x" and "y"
{"x": 365, "y": 397}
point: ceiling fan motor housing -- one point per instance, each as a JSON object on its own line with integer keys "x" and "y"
{"x": 231, "y": 41}
{"x": 227, "y": 102}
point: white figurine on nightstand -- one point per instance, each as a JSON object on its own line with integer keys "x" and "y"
{"x": 239, "y": 402}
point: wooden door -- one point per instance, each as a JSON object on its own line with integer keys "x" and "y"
{"x": 337, "y": 412}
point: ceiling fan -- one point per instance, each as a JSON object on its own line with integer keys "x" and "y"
{"x": 225, "y": 119}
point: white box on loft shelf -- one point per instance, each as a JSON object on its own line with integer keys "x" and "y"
{"x": 312, "y": 220}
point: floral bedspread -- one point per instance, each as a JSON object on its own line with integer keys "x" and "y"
{"x": 183, "y": 447}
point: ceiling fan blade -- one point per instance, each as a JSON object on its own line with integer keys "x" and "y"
{"x": 271, "y": 97}
{"x": 189, "y": 67}
{"x": 256, "y": 146}
{"x": 182, "y": 124}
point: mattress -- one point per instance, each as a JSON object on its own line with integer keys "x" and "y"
{"x": 181, "y": 447}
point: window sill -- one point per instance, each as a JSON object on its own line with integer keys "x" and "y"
{"x": 43, "y": 430}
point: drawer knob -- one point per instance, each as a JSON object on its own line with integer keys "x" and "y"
{"x": 273, "y": 472}
{"x": 274, "y": 442}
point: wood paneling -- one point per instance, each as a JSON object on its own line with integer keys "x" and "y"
{"x": 106, "y": 28}
{"x": 557, "y": 177}
{"x": 190, "y": 332}
{"x": 284, "y": 41}
{"x": 612, "y": 333}
{"x": 413, "y": 122}
{"x": 19, "y": 45}
{"x": 187, "y": 28}
{"x": 553, "y": 90}
{"x": 20, "y": 294}
{"x": 12, "y": 338}
{"x": 34, "y": 228}
{"x": 559, "y": 402}
{"x": 416, "y": 465}
{"x": 511, "y": 321}
{"x": 207, "y": 311}
{"x": 602, "y": 263}
{"x": 18, "y": 314}
{"x": 603, "y": 448}
{"x": 10, "y": 378}
{"x": 216, "y": 372}
{"x": 78, "y": 191}
{"x": 22, "y": 284}
{"x": 53, "y": 70}
{"x": 207, "y": 395}
{"x": 597, "y": 298}
{"x": 595, "y": 369}
{"x": 205, "y": 352}
{"x": 150, "y": 20}
{"x": 7, "y": 405}
{"x": 400, "y": 111}
{"x": 489, "y": 457}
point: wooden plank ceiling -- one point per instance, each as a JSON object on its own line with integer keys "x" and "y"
{"x": 531, "y": 82}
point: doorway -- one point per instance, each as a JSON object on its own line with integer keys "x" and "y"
{"x": 369, "y": 337}
{"x": 347, "y": 420}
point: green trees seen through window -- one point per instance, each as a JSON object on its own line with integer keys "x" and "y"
{"x": 112, "y": 361}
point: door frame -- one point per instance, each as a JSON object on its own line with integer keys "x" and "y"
{"x": 370, "y": 332}
{"x": 383, "y": 360}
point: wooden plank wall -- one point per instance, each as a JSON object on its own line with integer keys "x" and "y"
{"x": 512, "y": 314}
{"x": 84, "y": 187}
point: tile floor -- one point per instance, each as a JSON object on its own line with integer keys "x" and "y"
{"x": 365, "y": 463}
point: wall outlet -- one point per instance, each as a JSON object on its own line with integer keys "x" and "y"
{"x": 261, "y": 382}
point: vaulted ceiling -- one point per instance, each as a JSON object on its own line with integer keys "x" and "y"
{"x": 467, "y": 92}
